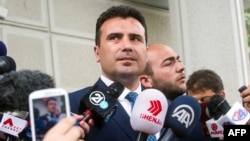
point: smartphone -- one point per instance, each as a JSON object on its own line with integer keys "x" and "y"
{"x": 47, "y": 107}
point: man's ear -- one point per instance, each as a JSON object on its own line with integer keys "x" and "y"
{"x": 146, "y": 81}
{"x": 222, "y": 93}
{"x": 96, "y": 51}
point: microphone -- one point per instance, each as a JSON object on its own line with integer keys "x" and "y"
{"x": 7, "y": 64}
{"x": 217, "y": 106}
{"x": 215, "y": 129}
{"x": 15, "y": 88}
{"x": 99, "y": 104}
{"x": 224, "y": 114}
{"x": 148, "y": 113}
{"x": 3, "y": 49}
{"x": 221, "y": 111}
{"x": 182, "y": 116}
{"x": 12, "y": 125}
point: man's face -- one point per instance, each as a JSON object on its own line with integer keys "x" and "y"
{"x": 122, "y": 50}
{"x": 168, "y": 71}
{"x": 204, "y": 96}
{"x": 51, "y": 106}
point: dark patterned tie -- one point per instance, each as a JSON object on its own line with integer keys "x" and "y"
{"x": 131, "y": 96}
{"x": 151, "y": 138}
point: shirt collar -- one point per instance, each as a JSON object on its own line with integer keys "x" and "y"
{"x": 108, "y": 82}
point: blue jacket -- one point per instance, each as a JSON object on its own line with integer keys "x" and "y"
{"x": 118, "y": 128}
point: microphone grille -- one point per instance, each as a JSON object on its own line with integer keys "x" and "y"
{"x": 217, "y": 106}
{"x": 7, "y": 64}
{"x": 3, "y": 49}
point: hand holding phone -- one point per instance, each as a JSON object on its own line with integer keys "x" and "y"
{"x": 65, "y": 130}
{"x": 47, "y": 108}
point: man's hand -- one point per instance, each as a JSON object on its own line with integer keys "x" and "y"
{"x": 82, "y": 123}
{"x": 65, "y": 130}
{"x": 245, "y": 95}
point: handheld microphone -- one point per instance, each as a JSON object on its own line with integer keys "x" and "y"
{"x": 100, "y": 105}
{"x": 221, "y": 111}
{"x": 182, "y": 116}
{"x": 217, "y": 106}
{"x": 148, "y": 113}
{"x": 3, "y": 49}
{"x": 224, "y": 114}
{"x": 15, "y": 88}
{"x": 7, "y": 64}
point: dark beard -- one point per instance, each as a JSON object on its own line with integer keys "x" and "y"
{"x": 172, "y": 94}
{"x": 169, "y": 90}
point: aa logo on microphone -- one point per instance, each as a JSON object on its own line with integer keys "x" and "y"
{"x": 184, "y": 114}
{"x": 155, "y": 107}
{"x": 96, "y": 97}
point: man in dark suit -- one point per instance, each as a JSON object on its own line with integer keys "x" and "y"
{"x": 121, "y": 38}
{"x": 49, "y": 119}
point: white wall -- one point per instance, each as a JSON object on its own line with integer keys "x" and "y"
{"x": 210, "y": 34}
{"x": 57, "y": 36}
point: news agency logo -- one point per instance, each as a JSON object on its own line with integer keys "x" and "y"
{"x": 155, "y": 107}
{"x": 12, "y": 125}
{"x": 239, "y": 115}
{"x": 237, "y": 132}
{"x": 8, "y": 122}
{"x": 184, "y": 114}
{"x": 9, "y": 125}
{"x": 215, "y": 129}
{"x": 96, "y": 97}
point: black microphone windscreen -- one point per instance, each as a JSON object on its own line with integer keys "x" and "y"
{"x": 7, "y": 64}
{"x": 16, "y": 86}
{"x": 183, "y": 115}
{"x": 3, "y": 49}
{"x": 99, "y": 104}
{"x": 217, "y": 106}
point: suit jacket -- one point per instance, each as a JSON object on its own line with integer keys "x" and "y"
{"x": 43, "y": 124}
{"x": 118, "y": 128}
{"x": 196, "y": 135}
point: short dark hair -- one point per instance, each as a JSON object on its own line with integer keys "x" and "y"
{"x": 50, "y": 99}
{"x": 118, "y": 11}
{"x": 205, "y": 79}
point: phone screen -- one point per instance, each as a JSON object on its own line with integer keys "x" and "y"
{"x": 47, "y": 111}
